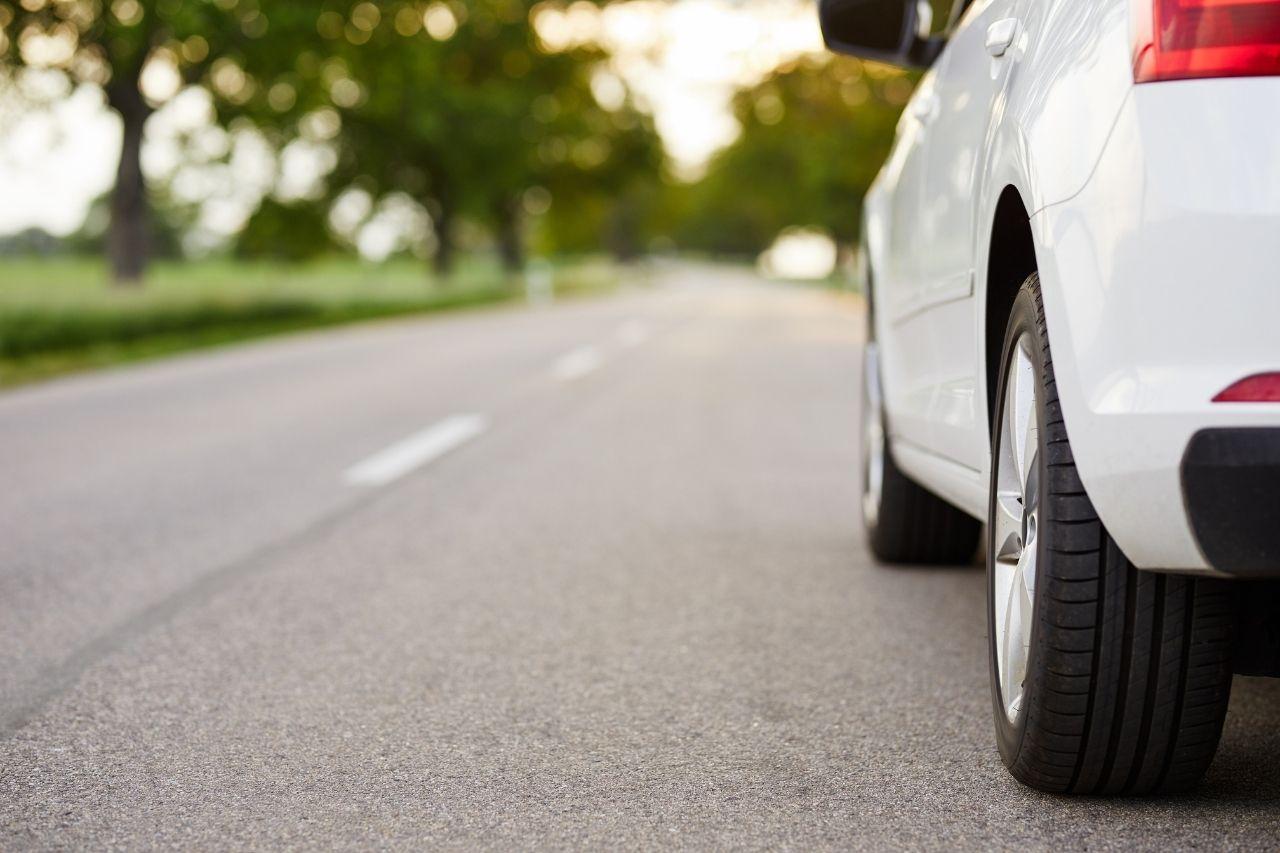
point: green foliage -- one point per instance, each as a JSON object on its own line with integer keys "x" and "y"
{"x": 165, "y": 228}
{"x": 36, "y": 345}
{"x": 286, "y": 232}
{"x": 942, "y": 10}
{"x": 611, "y": 199}
{"x": 814, "y": 135}
{"x": 58, "y": 315}
{"x": 457, "y": 105}
{"x": 109, "y": 45}
{"x": 112, "y": 45}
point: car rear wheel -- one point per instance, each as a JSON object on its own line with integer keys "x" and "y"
{"x": 1105, "y": 679}
{"x": 904, "y": 522}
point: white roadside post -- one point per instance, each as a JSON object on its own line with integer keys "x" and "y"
{"x": 539, "y": 286}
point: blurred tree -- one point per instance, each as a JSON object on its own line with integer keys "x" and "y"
{"x": 121, "y": 46}
{"x": 814, "y": 135}
{"x": 285, "y": 232}
{"x": 941, "y": 13}
{"x": 31, "y": 241}
{"x": 457, "y": 105}
{"x": 604, "y": 193}
{"x": 164, "y": 230}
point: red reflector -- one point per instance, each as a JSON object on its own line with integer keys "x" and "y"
{"x": 1181, "y": 39}
{"x": 1259, "y": 388}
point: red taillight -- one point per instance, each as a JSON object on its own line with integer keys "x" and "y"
{"x": 1181, "y": 39}
{"x": 1259, "y": 388}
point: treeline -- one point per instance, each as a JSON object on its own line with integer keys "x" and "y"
{"x": 814, "y": 135}
{"x": 452, "y": 115}
{"x": 454, "y": 106}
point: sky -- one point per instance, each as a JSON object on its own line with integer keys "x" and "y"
{"x": 682, "y": 59}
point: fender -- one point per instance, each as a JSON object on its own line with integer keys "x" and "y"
{"x": 1046, "y": 139}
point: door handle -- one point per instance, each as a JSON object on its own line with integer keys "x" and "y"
{"x": 1000, "y": 36}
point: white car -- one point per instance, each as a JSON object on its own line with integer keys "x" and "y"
{"x": 1073, "y": 269}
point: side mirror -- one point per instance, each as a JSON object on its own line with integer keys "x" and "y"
{"x": 892, "y": 31}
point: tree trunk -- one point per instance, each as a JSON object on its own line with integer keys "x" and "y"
{"x": 446, "y": 250}
{"x": 622, "y": 230}
{"x": 128, "y": 240}
{"x": 510, "y": 244}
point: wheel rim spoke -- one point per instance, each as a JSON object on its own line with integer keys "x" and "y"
{"x": 1022, "y": 413}
{"x": 1014, "y": 654}
{"x": 1008, "y": 526}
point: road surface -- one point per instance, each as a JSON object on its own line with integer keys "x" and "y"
{"x": 585, "y": 575}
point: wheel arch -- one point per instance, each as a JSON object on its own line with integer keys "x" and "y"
{"x": 1011, "y": 258}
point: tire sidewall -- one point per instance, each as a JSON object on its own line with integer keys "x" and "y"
{"x": 1009, "y": 734}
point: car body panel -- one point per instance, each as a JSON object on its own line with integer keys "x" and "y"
{"x": 1159, "y": 280}
{"x": 971, "y": 96}
{"x": 1151, "y": 233}
{"x": 1074, "y": 72}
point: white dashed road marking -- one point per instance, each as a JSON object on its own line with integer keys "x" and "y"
{"x": 415, "y": 451}
{"x": 576, "y": 363}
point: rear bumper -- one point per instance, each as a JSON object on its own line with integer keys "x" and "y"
{"x": 1161, "y": 281}
{"x": 1231, "y": 486}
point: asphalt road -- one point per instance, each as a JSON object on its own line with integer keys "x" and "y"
{"x": 586, "y": 575}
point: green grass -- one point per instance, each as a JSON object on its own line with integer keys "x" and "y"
{"x": 60, "y": 315}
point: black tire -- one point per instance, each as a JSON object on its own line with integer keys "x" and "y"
{"x": 1128, "y": 672}
{"x": 905, "y": 522}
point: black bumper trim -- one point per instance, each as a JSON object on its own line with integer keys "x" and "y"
{"x": 1231, "y": 488}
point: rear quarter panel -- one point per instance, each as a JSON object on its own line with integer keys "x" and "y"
{"x": 1071, "y": 79}
{"x": 1073, "y": 75}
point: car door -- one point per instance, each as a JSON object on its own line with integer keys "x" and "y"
{"x": 971, "y": 76}
{"x": 899, "y": 284}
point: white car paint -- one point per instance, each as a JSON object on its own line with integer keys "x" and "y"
{"x": 1155, "y": 211}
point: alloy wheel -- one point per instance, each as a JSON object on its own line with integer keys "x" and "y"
{"x": 873, "y": 443}
{"x": 1015, "y": 526}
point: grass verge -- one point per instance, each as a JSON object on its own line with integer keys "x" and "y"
{"x": 58, "y": 316}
